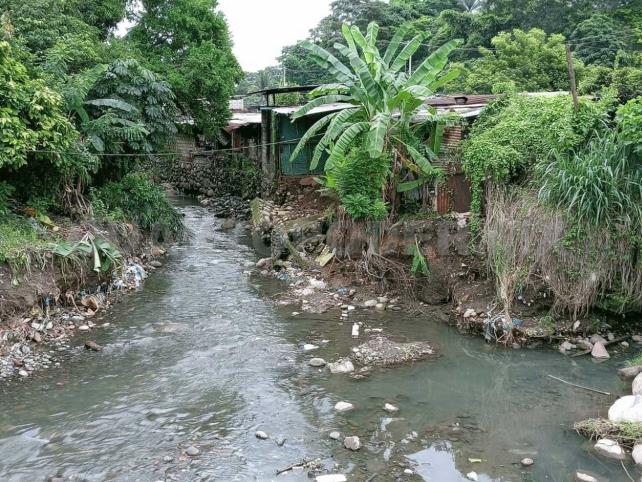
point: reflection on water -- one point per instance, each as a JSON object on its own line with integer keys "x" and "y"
{"x": 203, "y": 357}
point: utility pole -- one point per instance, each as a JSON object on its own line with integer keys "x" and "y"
{"x": 571, "y": 76}
{"x": 284, "y": 77}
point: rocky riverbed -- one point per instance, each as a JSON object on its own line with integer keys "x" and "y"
{"x": 207, "y": 373}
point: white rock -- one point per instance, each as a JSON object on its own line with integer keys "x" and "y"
{"x": 370, "y": 303}
{"x": 341, "y": 366}
{"x": 261, "y": 435}
{"x": 343, "y": 406}
{"x": 380, "y": 307}
{"x": 625, "y": 344}
{"x": 527, "y": 462}
{"x": 637, "y": 454}
{"x": 472, "y": 476}
{"x": 388, "y": 407}
{"x": 610, "y": 448}
{"x": 408, "y": 472}
{"x": 637, "y": 385}
{"x": 317, "y": 362}
{"x": 317, "y": 284}
{"x": 334, "y": 435}
{"x": 626, "y": 409}
{"x": 583, "y": 477}
{"x": 599, "y": 351}
{"x": 351, "y": 308}
{"x": 23, "y": 373}
{"x": 576, "y": 325}
{"x": 567, "y": 346}
{"x": 310, "y": 347}
{"x": 355, "y": 330}
{"x": 469, "y": 313}
{"x": 352, "y": 443}
{"x": 637, "y": 338}
{"x": 83, "y": 327}
{"x": 331, "y": 478}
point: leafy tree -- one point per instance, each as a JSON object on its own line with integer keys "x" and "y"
{"x": 525, "y": 61}
{"x": 39, "y": 150}
{"x": 301, "y": 69}
{"x": 597, "y": 40}
{"x": 385, "y": 100}
{"x": 188, "y": 43}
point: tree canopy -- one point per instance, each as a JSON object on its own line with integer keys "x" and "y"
{"x": 188, "y": 43}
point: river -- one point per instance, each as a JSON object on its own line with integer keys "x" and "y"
{"x": 202, "y": 356}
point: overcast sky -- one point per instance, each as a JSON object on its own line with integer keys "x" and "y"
{"x": 261, "y": 28}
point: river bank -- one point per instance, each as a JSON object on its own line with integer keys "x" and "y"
{"x": 48, "y": 302}
{"x": 303, "y": 235}
{"x": 208, "y": 354}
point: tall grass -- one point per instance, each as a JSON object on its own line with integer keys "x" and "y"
{"x": 600, "y": 185}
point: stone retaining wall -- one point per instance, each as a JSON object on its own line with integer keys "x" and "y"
{"x": 215, "y": 175}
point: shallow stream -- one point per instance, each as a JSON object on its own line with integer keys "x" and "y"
{"x": 203, "y": 356}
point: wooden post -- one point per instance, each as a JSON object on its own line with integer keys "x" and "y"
{"x": 571, "y": 76}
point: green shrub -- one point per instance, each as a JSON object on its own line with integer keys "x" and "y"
{"x": 629, "y": 123}
{"x": 18, "y": 241}
{"x": 516, "y": 132}
{"x": 358, "y": 180}
{"x": 138, "y": 199}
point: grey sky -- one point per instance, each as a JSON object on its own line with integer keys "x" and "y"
{"x": 261, "y": 28}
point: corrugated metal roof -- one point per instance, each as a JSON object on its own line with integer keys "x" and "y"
{"x": 316, "y": 110}
{"x": 242, "y": 119}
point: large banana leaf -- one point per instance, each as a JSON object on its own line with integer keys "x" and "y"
{"x": 444, "y": 79}
{"x": 311, "y": 132}
{"x": 329, "y": 62}
{"x": 433, "y": 65}
{"x": 407, "y": 52}
{"x": 377, "y": 135}
{"x": 394, "y": 44}
{"x": 347, "y": 138}
{"x": 318, "y": 102}
{"x": 334, "y": 130}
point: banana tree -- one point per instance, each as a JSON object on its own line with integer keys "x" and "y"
{"x": 383, "y": 100}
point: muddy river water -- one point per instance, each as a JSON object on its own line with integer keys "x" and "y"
{"x": 204, "y": 357}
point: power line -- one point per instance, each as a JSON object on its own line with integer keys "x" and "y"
{"x": 163, "y": 154}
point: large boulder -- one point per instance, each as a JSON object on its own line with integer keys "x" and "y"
{"x": 599, "y": 351}
{"x": 626, "y": 409}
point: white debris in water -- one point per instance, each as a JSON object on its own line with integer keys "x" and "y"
{"x": 389, "y": 407}
{"x": 331, "y": 478}
{"x": 355, "y": 330}
{"x": 343, "y": 406}
{"x": 310, "y": 347}
{"x": 472, "y": 476}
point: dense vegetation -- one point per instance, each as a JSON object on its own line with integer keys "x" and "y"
{"x": 506, "y": 46}
{"x": 557, "y": 188}
{"x": 82, "y": 110}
